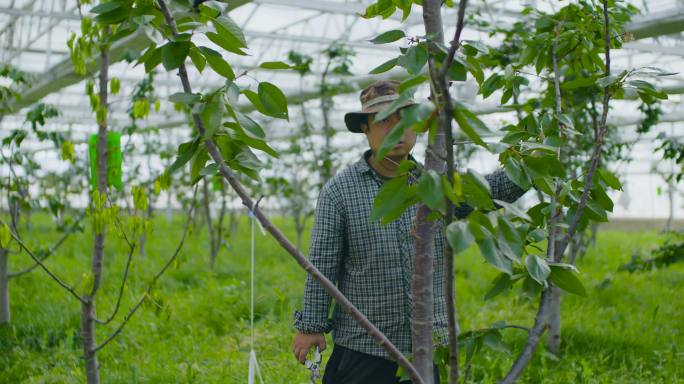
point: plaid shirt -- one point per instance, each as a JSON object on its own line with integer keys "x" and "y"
{"x": 372, "y": 263}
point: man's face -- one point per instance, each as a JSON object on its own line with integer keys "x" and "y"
{"x": 377, "y": 131}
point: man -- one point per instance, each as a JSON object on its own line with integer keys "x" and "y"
{"x": 371, "y": 263}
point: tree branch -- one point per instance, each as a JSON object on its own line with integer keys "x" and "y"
{"x": 456, "y": 41}
{"x": 121, "y": 288}
{"x": 228, "y": 174}
{"x": 603, "y": 128}
{"x": 210, "y": 225}
{"x": 156, "y": 277}
{"x": 540, "y": 319}
{"x": 50, "y": 251}
{"x": 124, "y": 278}
{"x": 450, "y": 294}
{"x": 532, "y": 340}
{"x": 37, "y": 261}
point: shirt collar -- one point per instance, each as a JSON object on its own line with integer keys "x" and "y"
{"x": 363, "y": 167}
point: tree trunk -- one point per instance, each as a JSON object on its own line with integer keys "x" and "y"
{"x": 141, "y": 244}
{"x": 554, "y": 321}
{"x": 4, "y": 287}
{"x": 88, "y": 312}
{"x": 670, "y": 197}
{"x": 88, "y": 335}
{"x": 299, "y": 227}
{"x": 210, "y": 225}
{"x": 326, "y": 167}
{"x": 219, "y": 225}
{"x": 422, "y": 315}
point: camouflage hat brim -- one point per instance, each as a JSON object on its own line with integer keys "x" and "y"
{"x": 354, "y": 120}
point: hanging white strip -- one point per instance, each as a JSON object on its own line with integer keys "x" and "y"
{"x": 254, "y": 368}
{"x": 253, "y": 363}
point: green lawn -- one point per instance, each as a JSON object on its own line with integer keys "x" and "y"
{"x": 196, "y": 328}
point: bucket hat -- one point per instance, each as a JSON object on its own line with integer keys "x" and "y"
{"x": 375, "y": 98}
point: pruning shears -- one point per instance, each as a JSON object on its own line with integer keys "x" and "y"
{"x": 314, "y": 365}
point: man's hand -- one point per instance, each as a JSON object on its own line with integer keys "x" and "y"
{"x": 303, "y": 342}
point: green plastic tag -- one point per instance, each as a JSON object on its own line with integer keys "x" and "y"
{"x": 114, "y": 160}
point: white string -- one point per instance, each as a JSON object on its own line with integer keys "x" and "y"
{"x": 251, "y": 289}
{"x": 253, "y": 363}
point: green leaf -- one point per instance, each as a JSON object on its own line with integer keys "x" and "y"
{"x": 238, "y": 156}
{"x": 210, "y": 170}
{"x": 396, "y": 104}
{"x": 111, "y": 13}
{"x": 217, "y": 63}
{"x": 388, "y": 37}
{"x": 494, "y": 340}
{"x": 516, "y": 173}
{"x": 410, "y": 116}
{"x": 197, "y": 59}
{"x": 476, "y": 190}
{"x": 184, "y": 98}
{"x": 414, "y": 59}
{"x": 531, "y": 288}
{"x": 225, "y": 43}
{"x": 494, "y": 256}
{"x": 475, "y": 69}
{"x": 273, "y": 100}
{"x": 506, "y": 248}
{"x": 153, "y": 59}
{"x": 490, "y": 85}
{"x": 511, "y": 236}
{"x": 459, "y": 237}
{"x": 5, "y": 236}
{"x": 253, "y": 142}
{"x": 173, "y": 54}
{"x": 477, "y": 45}
{"x": 500, "y": 284}
{"x": 599, "y": 195}
{"x": 610, "y": 179}
{"x": 566, "y": 120}
{"x": 457, "y": 72}
{"x": 544, "y": 166}
{"x": 212, "y": 114}
{"x": 394, "y": 197}
{"x": 384, "y": 67}
{"x": 275, "y": 65}
{"x": 567, "y": 280}
{"x": 607, "y": 81}
{"x": 579, "y": 83}
{"x": 513, "y": 210}
{"x": 470, "y": 124}
{"x": 211, "y": 9}
{"x": 412, "y": 82}
{"x": 544, "y": 184}
{"x": 106, "y": 7}
{"x": 186, "y": 151}
{"x": 253, "y": 97}
{"x": 430, "y": 190}
{"x": 229, "y": 30}
{"x": 250, "y": 125}
{"x": 595, "y": 211}
{"x": 537, "y": 235}
{"x": 537, "y": 269}
{"x": 115, "y": 85}
{"x": 391, "y": 140}
{"x": 198, "y": 162}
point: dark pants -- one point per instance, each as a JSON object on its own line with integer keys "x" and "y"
{"x": 346, "y": 366}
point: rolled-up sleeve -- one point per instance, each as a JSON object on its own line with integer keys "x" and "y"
{"x": 503, "y": 188}
{"x": 327, "y": 248}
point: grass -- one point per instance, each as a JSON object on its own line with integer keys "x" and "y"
{"x": 196, "y": 328}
